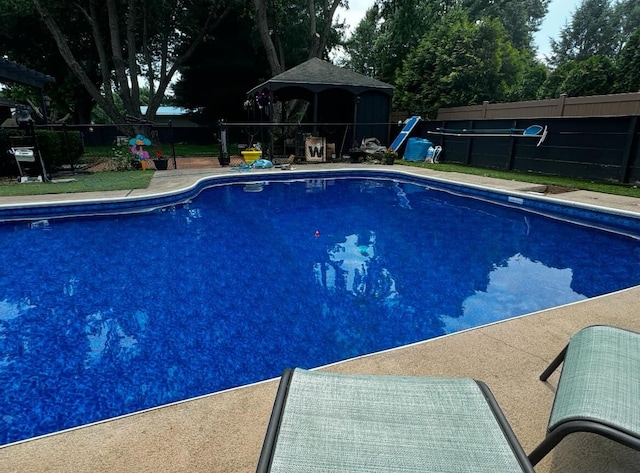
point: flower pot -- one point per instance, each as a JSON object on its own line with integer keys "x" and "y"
{"x": 356, "y": 156}
{"x": 251, "y": 155}
{"x": 161, "y": 164}
{"x": 143, "y": 164}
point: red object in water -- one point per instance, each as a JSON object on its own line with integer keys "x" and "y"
{"x": 316, "y": 234}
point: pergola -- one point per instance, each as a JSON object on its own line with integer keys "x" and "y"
{"x": 13, "y": 72}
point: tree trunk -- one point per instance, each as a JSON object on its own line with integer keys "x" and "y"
{"x": 263, "y": 29}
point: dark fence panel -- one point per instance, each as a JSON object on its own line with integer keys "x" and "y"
{"x": 595, "y": 148}
{"x": 633, "y": 167}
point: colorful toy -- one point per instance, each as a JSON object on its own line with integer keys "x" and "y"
{"x": 137, "y": 149}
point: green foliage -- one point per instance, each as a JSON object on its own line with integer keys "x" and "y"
{"x": 51, "y": 148}
{"x": 519, "y": 18}
{"x": 121, "y": 158}
{"x": 55, "y": 150}
{"x": 628, "y": 65}
{"x": 528, "y": 79}
{"x": 24, "y": 38}
{"x": 597, "y": 28}
{"x": 400, "y": 26}
{"x": 627, "y": 15}
{"x": 391, "y": 29}
{"x": 362, "y": 48}
{"x": 592, "y": 76}
{"x": 458, "y": 63}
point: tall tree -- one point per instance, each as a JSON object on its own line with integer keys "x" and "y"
{"x": 592, "y": 30}
{"x": 628, "y": 65}
{"x": 627, "y": 15}
{"x": 400, "y": 24}
{"x": 216, "y": 78}
{"x": 521, "y": 19}
{"x": 318, "y": 19}
{"x": 151, "y": 38}
{"x": 362, "y": 54}
{"x": 403, "y": 23}
{"x": 459, "y": 62}
{"x": 25, "y": 39}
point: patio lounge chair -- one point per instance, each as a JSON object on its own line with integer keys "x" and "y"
{"x": 366, "y": 423}
{"x": 598, "y": 390}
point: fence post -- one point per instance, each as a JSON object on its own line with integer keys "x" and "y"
{"x": 173, "y": 147}
{"x": 514, "y": 125}
{"x": 561, "y": 101}
{"x": 224, "y": 158}
{"x": 469, "y": 145}
{"x": 628, "y": 149}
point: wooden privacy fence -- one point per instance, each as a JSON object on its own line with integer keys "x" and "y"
{"x": 594, "y": 148}
{"x": 563, "y": 106}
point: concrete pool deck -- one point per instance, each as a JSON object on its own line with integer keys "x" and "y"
{"x": 224, "y": 432}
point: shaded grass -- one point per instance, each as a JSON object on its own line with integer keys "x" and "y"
{"x": 606, "y": 188}
{"x": 99, "y": 181}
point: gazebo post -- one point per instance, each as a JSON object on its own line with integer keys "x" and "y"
{"x": 271, "y": 121}
{"x": 315, "y": 114}
{"x": 356, "y": 101}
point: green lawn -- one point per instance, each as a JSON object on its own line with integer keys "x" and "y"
{"x": 99, "y": 181}
{"x": 606, "y": 188}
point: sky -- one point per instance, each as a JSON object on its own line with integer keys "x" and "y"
{"x": 560, "y": 12}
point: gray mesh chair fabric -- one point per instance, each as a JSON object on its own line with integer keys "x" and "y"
{"x": 598, "y": 390}
{"x": 325, "y": 422}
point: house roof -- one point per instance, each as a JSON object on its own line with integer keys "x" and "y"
{"x": 13, "y": 72}
{"x": 316, "y": 75}
{"x": 166, "y": 110}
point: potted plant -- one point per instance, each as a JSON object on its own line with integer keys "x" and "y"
{"x": 389, "y": 156}
{"x": 252, "y": 153}
{"x": 161, "y": 162}
{"x": 356, "y": 155}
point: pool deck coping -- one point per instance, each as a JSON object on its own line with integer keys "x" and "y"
{"x": 223, "y": 432}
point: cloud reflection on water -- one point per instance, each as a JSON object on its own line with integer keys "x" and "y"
{"x": 520, "y": 286}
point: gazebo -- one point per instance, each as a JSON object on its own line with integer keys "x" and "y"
{"x": 335, "y": 95}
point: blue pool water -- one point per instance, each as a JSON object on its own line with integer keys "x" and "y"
{"x": 103, "y": 316}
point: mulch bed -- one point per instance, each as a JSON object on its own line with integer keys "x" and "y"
{"x": 204, "y": 162}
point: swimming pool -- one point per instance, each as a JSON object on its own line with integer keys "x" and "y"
{"x": 105, "y": 315}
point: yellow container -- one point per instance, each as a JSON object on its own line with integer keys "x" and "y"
{"x": 251, "y": 156}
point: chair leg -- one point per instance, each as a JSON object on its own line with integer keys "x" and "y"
{"x": 554, "y": 364}
{"x": 553, "y": 438}
{"x": 543, "y": 449}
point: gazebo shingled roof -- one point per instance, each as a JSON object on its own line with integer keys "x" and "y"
{"x": 317, "y": 75}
